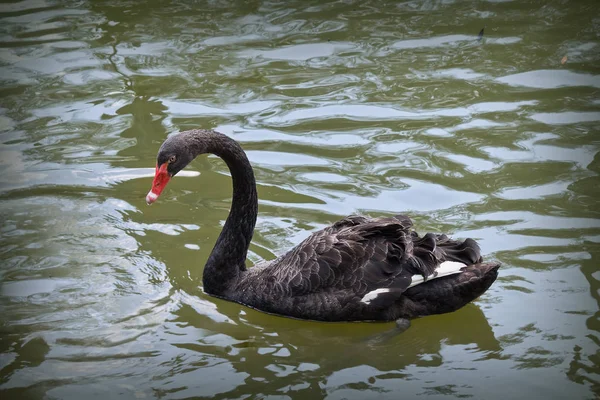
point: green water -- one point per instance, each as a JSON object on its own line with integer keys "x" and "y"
{"x": 377, "y": 107}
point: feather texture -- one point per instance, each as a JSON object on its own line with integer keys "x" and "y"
{"x": 356, "y": 269}
{"x": 359, "y": 268}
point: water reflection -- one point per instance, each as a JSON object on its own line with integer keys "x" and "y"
{"x": 296, "y": 353}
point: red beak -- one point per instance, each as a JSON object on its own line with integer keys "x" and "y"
{"x": 161, "y": 178}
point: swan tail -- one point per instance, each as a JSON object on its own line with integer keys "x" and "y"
{"x": 450, "y": 292}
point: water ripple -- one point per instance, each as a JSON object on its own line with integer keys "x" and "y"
{"x": 551, "y": 79}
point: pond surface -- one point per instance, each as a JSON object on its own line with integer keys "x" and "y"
{"x": 375, "y": 107}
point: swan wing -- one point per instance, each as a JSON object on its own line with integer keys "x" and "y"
{"x": 361, "y": 255}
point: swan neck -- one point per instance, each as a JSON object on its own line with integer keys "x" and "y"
{"x": 227, "y": 259}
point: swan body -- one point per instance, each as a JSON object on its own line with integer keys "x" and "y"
{"x": 358, "y": 269}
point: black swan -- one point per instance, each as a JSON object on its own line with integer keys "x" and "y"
{"x": 358, "y": 269}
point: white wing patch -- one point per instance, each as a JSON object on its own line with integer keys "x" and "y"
{"x": 372, "y": 295}
{"x": 446, "y": 268}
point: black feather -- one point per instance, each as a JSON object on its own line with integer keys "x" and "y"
{"x": 351, "y": 258}
{"x": 329, "y": 274}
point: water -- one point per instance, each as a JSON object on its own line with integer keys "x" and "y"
{"x": 376, "y": 107}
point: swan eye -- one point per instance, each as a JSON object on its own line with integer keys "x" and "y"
{"x": 172, "y": 159}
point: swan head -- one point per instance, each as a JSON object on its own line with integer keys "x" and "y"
{"x": 173, "y": 156}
